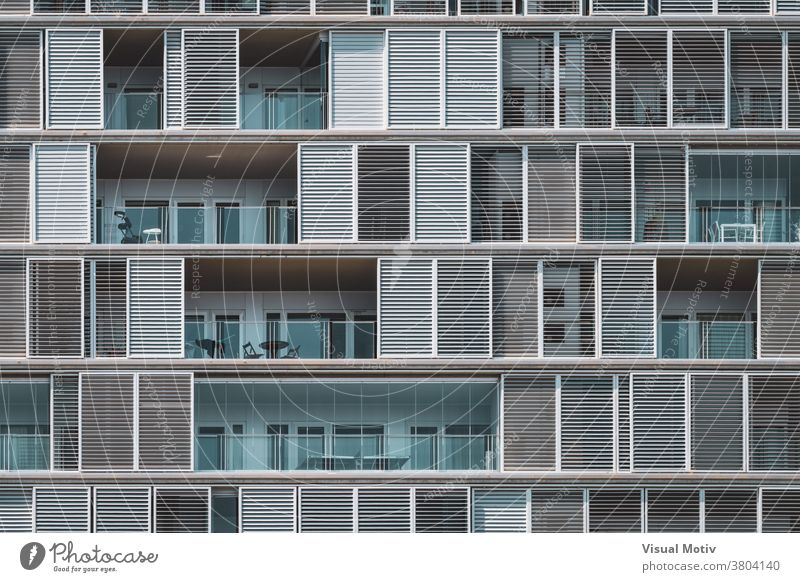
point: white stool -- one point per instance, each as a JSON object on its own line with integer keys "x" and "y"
{"x": 152, "y": 235}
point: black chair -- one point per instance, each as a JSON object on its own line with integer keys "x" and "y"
{"x": 213, "y": 348}
{"x": 292, "y": 354}
{"x": 250, "y": 352}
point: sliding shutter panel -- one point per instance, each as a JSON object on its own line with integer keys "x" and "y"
{"x": 568, "y": 309}
{"x": 173, "y": 79}
{"x": 496, "y": 182}
{"x": 463, "y": 308}
{"x": 155, "y": 308}
{"x": 125, "y": 509}
{"x": 20, "y": 62}
{"x": 774, "y": 423}
{"x": 660, "y": 193}
{"x": 12, "y": 308}
{"x": 182, "y": 510}
{"x": 557, "y": 510}
{"x": 552, "y": 7}
{"x": 107, "y": 422}
{"x": 698, "y": 77}
{"x": 606, "y": 193}
{"x": 173, "y": 6}
{"x": 780, "y": 510}
{"x": 499, "y": 510}
{"x": 551, "y": 193}
{"x": 356, "y": 80}
{"x": 641, "y": 79}
{"x": 529, "y": 423}
{"x": 585, "y": 67}
{"x": 66, "y": 422}
{"x": 61, "y": 509}
{"x": 615, "y": 510}
{"x": 326, "y": 192}
{"x": 686, "y": 7}
{"x": 414, "y": 78}
{"x": 55, "y": 314}
{"x": 326, "y": 510}
{"x": 63, "y": 189}
{"x": 472, "y": 78}
{"x": 587, "y": 423}
{"x": 74, "y": 79}
{"x": 165, "y": 422}
{"x": 779, "y": 309}
{"x": 15, "y": 191}
{"x": 673, "y": 511}
{"x": 211, "y": 78}
{"x": 744, "y": 6}
{"x": 717, "y": 415}
{"x": 659, "y": 422}
{"x": 268, "y": 509}
{"x": 405, "y": 317}
{"x": 441, "y": 196}
{"x": 528, "y": 80}
{"x": 359, "y": 7}
{"x": 624, "y": 451}
{"x": 515, "y": 308}
{"x": 618, "y": 7}
{"x": 756, "y": 79}
{"x": 627, "y": 297}
{"x": 110, "y": 301}
{"x": 384, "y": 192}
{"x": 731, "y": 510}
{"x": 441, "y": 511}
{"x": 16, "y": 509}
{"x": 384, "y": 509}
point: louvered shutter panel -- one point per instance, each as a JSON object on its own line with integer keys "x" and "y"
{"x": 74, "y": 79}
{"x": 780, "y": 510}
{"x": 12, "y": 308}
{"x": 155, "y": 308}
{"x": 414, "y": 78}
{"x": 463, "y": 308}
{"x": 568, "y": 309}
{"x": 16, "y": 509}
{"x": 793, "y": 76}
{"x": 472, "y": 78}
{"x": 211, "y": 78}
{"x": 779, "y": 310}
{"x": 585, "y": 68}
{"x": 419, "y": 7}
{"x": 63, "y": 180}
{"x": 551, "y": 193}
{"x": 529, "y": 423}
{"x": 615, "y": 510}
{"x": 660, "y": 193}
{"x": 605, "y": 193}
{"x": 107, "y": 422}
{"x": 384, "y": 192}
{"x": 528, "y": 80}
{"x": 65, "y": 429}
{"x": 698, "y": 77}
{"x": 787, "y": 6}
{"x": 110, "y": 301}
{"x": 441, "y": 510}
{"x": 326, "y": 192}
{"x": 61, "y": 509}
{"x": 384, "y": 509}
{"x": 173, "y": 79}
{"x": 326, "y": 509}
{"x": 15, "y": 6}
{"x": 441, "y": 197}
{"x": 121, "y": 509}
{"x": 552, "y": 7}
{"x": 55, "y": 319}
{"x": 173, "y": 6}
{"x": 756, "y": 79}
{"x": 587, "y": 423}
{"x": 673, "y": 511}
{"x": 59, "y": 6}
{"x": 641, "y": 78}
{"x": 624, "y": 451}
{"x": 717, "y": 416}
{"x": 686, "y": 7}
{"x": 774, "y": 423}
{"x": 619, "y": 7}
{"x": 405, "y": 318}
{"x": 342, "y": 7}
{"x": 496, "y": 182}
{"x": 268, "y": 509}
{"x": 15, "y": 190}
{"x": 659, "y": 422}
{"x": 515, "y": 308}
{"x": 499, "y": 510}
{"x": 557, "y": 510}
{"x": 356, "y": 80}
{"x": 165, "y": 422}
{"x": 731, "y": 510}
{"x": 115, "y": 6}
{"x": 743, "y": 6}
{"x": 182, "y": 509}
{"x": 482, "y": 7}
{"x": 627, "y": 313}
{"x": 20, "y": 62}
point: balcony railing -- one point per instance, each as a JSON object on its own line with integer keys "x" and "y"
{"x": 24, "y": 452}
{"x": 307, "y": 339}
{"x": 247, "y": 225}
{"x": 139, "y": 110}
{"x": 745, "y": 225}
{"x": 284, "y": 110}
{"x": 346, "y": 452}
{"x": 707, "y": 339}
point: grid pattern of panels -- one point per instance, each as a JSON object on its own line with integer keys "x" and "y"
{"x": 529, "y": 422}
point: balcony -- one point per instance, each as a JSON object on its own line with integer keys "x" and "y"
{"x": 24, "y": 452}
{"x": 133, "y": 109}
{"x": 705, "y": 340}
{"x": 284, "y": 110}
{"x": 739, "y": 224}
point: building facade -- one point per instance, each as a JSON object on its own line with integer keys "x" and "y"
{"x": 425, "y": 266}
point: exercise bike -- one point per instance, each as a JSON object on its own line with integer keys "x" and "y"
{"x": 126, "y": 227}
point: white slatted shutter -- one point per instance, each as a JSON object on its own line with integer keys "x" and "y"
{"x": 606, "y": 195}
{"x": 615, "y": 511}
{"x": 61, "y": 509}
{"x": 356, "y": 70}
{"x": 419, "y": 7}
{"x": 641, "y": 79}
{"x": 472, "y": 80}
{"x": 627, "y": 308}
{"x": 698, "y": 77}
{"x": 529, "y": 423}
{"x": 731, "y": 510}
{"x": 587, "y": 423}
{"x": 673, "y": 511}
{"x": 155, "y": 308}
{"x": 658, "y": 414}
{"x": 384, "y": 192}
{"x": 326, "y": 192}
{"x": 110, "y": 300}
{"x": 107, "y": 422}
{"x": 552, "y": 7}
{"x": 568, "y": 309}
{"x": 742, "y": 7}
{"x": 499, "y": 510}
{"x": 793, "y": 77}
{"x": 63, "y": 186}
{"x": 12, "y": 309}
{"x": 774, "y": 430}
{"x": 686, "y": 6}
{"x": 414, "y": 78}
{"x": 463, "y": 308}
{"x": 557, "y": 510}
{"x": 496, "y": 184}
{"x": 15, "y": 191}
{"x": 65, "y": 422}
{"x": 585, "y": 68}
{"x": 756, "y": 79}
{"x": 165, "y": 422}
{"x": 121, "y": 509}
{"x": 779, "y": 309}
{"x": 552, "y": 194}
{"x": 441, "y": 195}
{"x": 441, "y": 510}
{"x": 717, "y": 417}
{"x": 182, "y": 509}
{"x": 74, "y": 79}
{"x": 326, "y": 509}
{"x": 211, "y": 78}
{"x": 20, "y": 62}
{"x": 660, "y": 193}
{"x": 515, "y": 308}
{"x": 405, "y": 316}
{"x": 528, "y": 90}
{"x": 55, "y": 316}
{"x": 268, "y": 509}
{"x": 780, "y": 510}
{"x": 16, "y": 509}
{"x": 618, "y": 7}
{"x": 384, "y": 509}
{"x": 173, "y": 79}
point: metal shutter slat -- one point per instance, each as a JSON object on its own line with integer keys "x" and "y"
{"x": 529, "y": 423}
{"x": 615, "y": 510}
{"x": 181, "y": 510}
{"x": 16, "y": 509}
{"x": 441, "y": 511}
{"x": 155, "y": 308}
{"x": 660, "y": 193}
{"x": 658, "y": 414}
{"x": 463, "y": 308}
{"x": 717, "y": 422}
{"x": 63, "y": 180}
{"x": 414, "y": 78}
{"x": 441, "y": 196}
{"x": 406, "y": 307}
{"x": 12, "y": 309}
{"x": 471, "y": 84}
{"x": 780, "y": 510}
{"x": 173, "y": 79}
{"x": 499, "y": 510}
{"x": 779, "y": 286}
{"x": 552, "y": 195}
{"x": 61, "y": 509}
{"x": 528, "y": 80}
{"x": 673, "y": 511}
{"x": 20, "y": 62}
{"x": 557, "y": 510}
{"x": 356, "y": 80}
{"x": 568, "y": 309}
{"x": 268, "y": 509}
{"x": 698, "y": 78}
{"x": 107, "y": 422}
{"x": 326, "y": 510}
{"x": 585, "y": 80}
{"x": 74, "y": 79}
{"x": 111, "y": 299}
{"x": 640, "y": 87}
{"x": 165, "y": 422}
{"x": 125, "y": 509}
{"x": 731, "y": 510}
{"x": 756, "y": 79}
{"x": 384, "y": 509}
{"x": 496, "y": 182}
{"x": 384, "y": 193}
{"x": 211, "y": 78}
{"x": 66, "y": 421}
{"x": 774, "y": 423}
{"x": 54, "y": 308}
{"x": 627, "y": 297}
{"x": 605, "y": 193}
{"x": 587, "y": 423}
{"x": 515, "y": 306}
{"x": 326, "y": 192}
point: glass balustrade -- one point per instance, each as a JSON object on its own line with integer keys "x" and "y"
{"x": 133, "y": 110}
{"x": 284, "y": 110}
{"x": 757, "y": 224}
{"x": 24, "y": 452}
{"x": 706, "y": 339}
